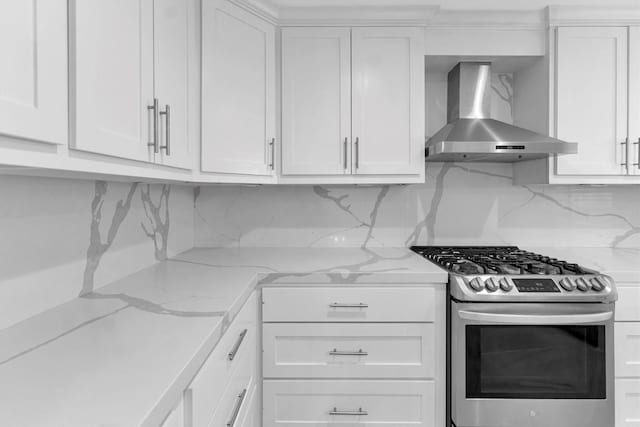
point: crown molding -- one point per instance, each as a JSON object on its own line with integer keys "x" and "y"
{"x": 357, "y": 16}
{"x": 597, "y": 16}
{"x": 490, "y": 19}
{"x": 262, "y": 8}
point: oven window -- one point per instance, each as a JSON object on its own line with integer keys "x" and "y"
{"x": 535, "y": 362}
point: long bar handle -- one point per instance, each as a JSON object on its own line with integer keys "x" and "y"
{"x": 154, "y": 108}
{"x": 167, "y": 129}
{"x": 357, "y": 144}
{"x": 272, "y": 145}
{"x": 348, "y": 305}
{"x": 344, "y": 161}
{"x": 625, "y": 154}
{"x": 537, "y": 319}
{"x": 336, "y": 352}
{"x": 236, "y": 409}
{"x": 335, "y": 411}
{"x": 638, "y": 159}
{"x": 236, "y": 346}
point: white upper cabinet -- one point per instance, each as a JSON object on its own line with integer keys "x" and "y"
{"x": 591, "y": 100}
{"x": 171, "y": 70}
{"x": 388, "y": 100}
{"x": 111, "y": 76}
{"x": 353, "y": 102}
{"x": 316, "y": 101}
{"x": 238, "y": 91}
{"x": 33, "y": 74}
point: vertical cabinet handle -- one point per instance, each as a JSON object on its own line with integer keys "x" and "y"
{"x": 637, "y": 164}
{"x": 236, "y": 409}
{"x": 340, "y": 412}
{"x": 272, "y": 145}
{"x": 154, "y": 108}
{"x": 236, "y": 346}
{"x": 625, "y": 161}
{"x": 167, "y": 129}
{"x": 357, "y": 152}
{"x": 344, "y": 162}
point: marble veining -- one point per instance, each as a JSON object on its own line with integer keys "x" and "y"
{"x": 97, "y": 247}
{"x": 158, "y": 228}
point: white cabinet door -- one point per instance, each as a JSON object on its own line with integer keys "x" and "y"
{"x": 335, "y": 402}
{"x": 627, "y": 402}
{"x": 33, "y": 74}
{"x": 388, "y": 101}
{"x": 111, "y": 77}
{"x": 634, "y": 101}
{"x": 627, "y": 351}
{"x": 591, "y": 99}
{"x": 238, "y": 90}
{"x": 171, "y": 68}
{"x": 316, "y": 101}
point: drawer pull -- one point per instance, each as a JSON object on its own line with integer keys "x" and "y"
{"x": 347, "y": 305}
{"x": 336, "y": 352}
{"x": 236, "y": 409}
{"x": 358, "y": 412}
{"x": 236, "y": 346}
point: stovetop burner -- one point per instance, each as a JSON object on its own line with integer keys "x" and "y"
{"x": 510, "y": 260}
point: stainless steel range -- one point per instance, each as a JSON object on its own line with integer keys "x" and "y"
{"x": 530, "y": 339}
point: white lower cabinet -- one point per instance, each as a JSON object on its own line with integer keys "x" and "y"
{"x": 343, "y": 402}
{"x": 224, "y": 388}
{"x": 628, "y": 402}
{"x": 627, "y": 356}
{"x": 352, "y": 355}
{"x": 353, "y": 350}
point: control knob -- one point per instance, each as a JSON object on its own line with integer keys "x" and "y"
{"x": 505, "y": 285}
{"x": 476, "y": 284}
{"x": 582, "y": 284}
{"x": 598, "y": 284}
{"x": 491, "y": 284}
{"x": 567, "y": 284}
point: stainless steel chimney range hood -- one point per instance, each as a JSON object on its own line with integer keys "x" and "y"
{"x": 471, "y": 136}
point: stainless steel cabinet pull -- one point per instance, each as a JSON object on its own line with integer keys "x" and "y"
{"x": 358, "y": 412}
{"x": 335, "y": 352}
{"x": 638, "y": 161}
{"x": 348, "y": 305}
{"x": 236, "y": 346}
{"x": 625, "y": 162}
{"x": 272, "y": 145}
{"x": 167, "y": 129}
{"x": 236, "y": 409}
{"x": 344, "y": 162}
{"x": 357, "y": 152}
{"x": 154, "y": 108}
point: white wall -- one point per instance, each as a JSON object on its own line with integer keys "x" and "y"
{"x": 54, "y": 241}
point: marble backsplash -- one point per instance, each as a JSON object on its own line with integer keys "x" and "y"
{"x": 65, "y": 238}
{"x": 459, "y": 204}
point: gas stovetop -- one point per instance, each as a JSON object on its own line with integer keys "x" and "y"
{"x": 507, "y": 273}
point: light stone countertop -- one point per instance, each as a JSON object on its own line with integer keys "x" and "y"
{"x": 122, "y": 355}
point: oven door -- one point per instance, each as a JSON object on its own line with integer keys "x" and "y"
{"x": 532, "y": 365}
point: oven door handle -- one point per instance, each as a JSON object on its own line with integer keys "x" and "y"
{"x": 535, "y": 319}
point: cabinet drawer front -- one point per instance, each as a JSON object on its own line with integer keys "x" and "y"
{"x": 628, "y": 304}
{"x": 234, "y": 405}
{"x": 209, "y": 384}
{"x": 627, "y": 342}
{"x": 627, "y": 403}
{"x": 355, "y": 304}
{"x": 386, "y": 403}
{"x": 333, "y": 350}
